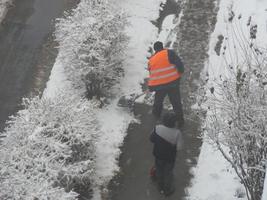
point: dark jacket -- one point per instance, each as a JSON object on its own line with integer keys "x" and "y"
{"x": 173, "y": 59}
{"x": 166, "y": 142}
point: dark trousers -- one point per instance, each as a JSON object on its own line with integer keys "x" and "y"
{"x": 164, "y": 175}
{"x": 175, "y": 99}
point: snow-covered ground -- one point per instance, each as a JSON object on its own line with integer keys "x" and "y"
{"x": 114, "y": 120}
{"x": 213, "y": 171}
{"x": 4, "y": 4}
{"x": 214, "y": 178}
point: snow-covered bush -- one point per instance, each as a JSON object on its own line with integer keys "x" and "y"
{"x": 48, "y": 152}
{"x": 237, "y": 108}
{"x": 93, "y": 40}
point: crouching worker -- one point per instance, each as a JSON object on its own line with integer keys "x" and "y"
{"x": 167, "y": 140}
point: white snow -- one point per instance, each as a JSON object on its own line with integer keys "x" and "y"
{"x": 57, "y": 80}
{"x": 115, "y": 123}
{"x": 4, "y": 4}
{"x": 168, "y": 25}
{"x": 58, "y": 83}
{"x": 257, "y": 9}
{"x": 214, "y": 179}
{"x": 142, "y": 34}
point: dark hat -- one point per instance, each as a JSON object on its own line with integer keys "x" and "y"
{"x": 158, "y": 46}
{"x": 169, "y": 119}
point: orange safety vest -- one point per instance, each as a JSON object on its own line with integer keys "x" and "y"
{"x": 161, "y": 71}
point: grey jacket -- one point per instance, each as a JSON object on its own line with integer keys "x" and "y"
{"x": 166, "y": 142}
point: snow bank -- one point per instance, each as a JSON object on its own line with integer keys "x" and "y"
{"x": 4, "y": 5}
{"x": 142, "y": 34}
{"x": 214, "y": 178}
{"x": 58, "y": 82}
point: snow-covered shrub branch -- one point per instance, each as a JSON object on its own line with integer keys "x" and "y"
{"x": 4, "y": 6}
{"x": 48, "y": 152}
{"x": 237, "y": 106}
{"x": 93, "y": 40}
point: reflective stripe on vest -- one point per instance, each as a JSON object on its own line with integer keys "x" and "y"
{"x": 161, "y": 70}
{"x": 163, "y": 76}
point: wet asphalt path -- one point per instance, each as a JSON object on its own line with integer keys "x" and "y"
{"x": 133, "y": 182}
{"x": 22, "y": 34}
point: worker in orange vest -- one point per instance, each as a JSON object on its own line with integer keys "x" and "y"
{"x": 165, "y": 70}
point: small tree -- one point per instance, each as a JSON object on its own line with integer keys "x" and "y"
{"x": 93, "y": 40}
{"x": 237, "y": 108}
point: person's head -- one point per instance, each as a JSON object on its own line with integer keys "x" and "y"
{"x": 158, "y": 46}
{"x": 169, "y": 120}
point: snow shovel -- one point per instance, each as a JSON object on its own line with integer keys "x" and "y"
{"x": 129, "y": 100}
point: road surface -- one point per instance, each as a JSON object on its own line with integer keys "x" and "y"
{"x": 24, "y": 35}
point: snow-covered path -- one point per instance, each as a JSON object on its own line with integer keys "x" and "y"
{"x": 133, "y": 182}
{"x": 115, "y": 120}
{"x": 22, "y": 38}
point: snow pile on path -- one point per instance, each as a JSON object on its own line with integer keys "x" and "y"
{"x": 115, "y": 121}
{"x": 214, "y": 177}
{"x": 4, "y": 4}
{"x": 142, "y": 35}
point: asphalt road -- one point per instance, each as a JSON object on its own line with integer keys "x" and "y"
{"x": 25, "y": 29}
